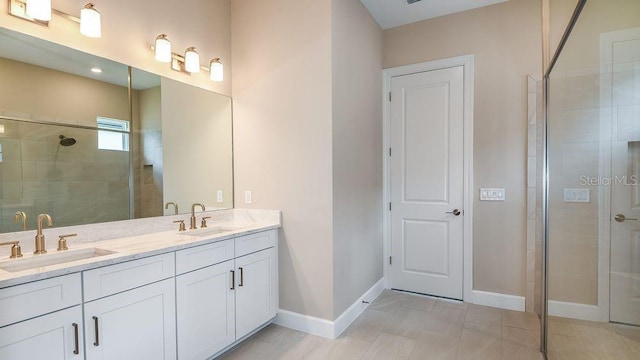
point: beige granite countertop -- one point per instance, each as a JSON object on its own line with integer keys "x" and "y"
{"x": 234, "y": 223}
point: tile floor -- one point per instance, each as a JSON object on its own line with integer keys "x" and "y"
{"x": 585, "y": 340}
{"x": 405, "y": 326}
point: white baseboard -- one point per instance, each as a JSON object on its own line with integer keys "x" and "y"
{"x": 574, "y": 310}
{"x": 325, "y": 328}
{"x": 305, "y": 323}
{"x": 502, "y": 301}
{"x": 348, "y": 316}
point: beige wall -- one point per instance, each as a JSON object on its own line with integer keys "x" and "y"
{"x": 357, "y": 152}
{"x": 130, "y": 27}
{"x": 40, "y": 93}
{"x": 196, "y": 131}
{"x": 506, "y": 41}
{"x": 282, "y": 137}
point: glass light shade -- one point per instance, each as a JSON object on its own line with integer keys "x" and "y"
{"x": 1, "y": 129}
{"x": 90, "y": 22}
{"x": 191, "y": 60}
{"x": 163, "y": 49}
{"x": 216, "y": 70}
{"x": 39, "y": 9}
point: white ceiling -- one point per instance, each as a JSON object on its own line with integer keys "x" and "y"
{"x": 392, "y": 13}
{"x": 30, "y": 50}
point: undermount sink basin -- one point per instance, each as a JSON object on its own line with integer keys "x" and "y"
{"x": 52, "y": 258}
{"x": 209, "y": 231}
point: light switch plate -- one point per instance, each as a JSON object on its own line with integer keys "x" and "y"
{"x": 219, "y": 196}
{"x": 247, "y": 197}
{"x": 577, "y": 195}
{"x": 492, "y": 194}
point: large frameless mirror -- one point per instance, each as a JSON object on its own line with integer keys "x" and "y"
{"x": 88, "y": 140}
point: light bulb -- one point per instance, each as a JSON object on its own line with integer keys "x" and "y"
{"x": 216, "y": 70}
{"x": 39, "y": 9}
{"x": 90, "y": 21}
{"x": 192, "y": 60}
{"x": 163, "y": 48}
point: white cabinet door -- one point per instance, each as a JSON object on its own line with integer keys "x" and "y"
{"x": 257, "y": 290}
{"x": 138, "y": 324}
{"x": 57, "y": 336}
{"x": 206, "y": 311}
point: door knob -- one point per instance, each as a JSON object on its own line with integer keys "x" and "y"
{"x": 455, "y": 212}
{"x": 621, "y": 218}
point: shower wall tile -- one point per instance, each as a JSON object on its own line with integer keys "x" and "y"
{"x": 580, "y": 158}
{"x": 534, "y": 113}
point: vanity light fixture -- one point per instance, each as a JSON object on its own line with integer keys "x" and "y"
{"x": 191, "y": 60}
{"x": 216, "y": 70}
{"x": 39, "y": 9}
{"x": 39, "y": 12}
{"x": 90, "y": 21}
{"x": 188, "y": 63}
{"x": 163, "y": 49}
{"x": 1, "y": 129}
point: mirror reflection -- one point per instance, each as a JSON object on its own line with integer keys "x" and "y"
{"x": 80, "y": 144}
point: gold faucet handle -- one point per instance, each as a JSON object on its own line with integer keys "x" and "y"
{"x": 62, "y": 241}
{"x": 203, "y": 223}
{"x": 16, "y": 250}
{"x": 181, "y": 227}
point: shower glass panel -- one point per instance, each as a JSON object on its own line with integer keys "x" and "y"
{"x": 593, "y": 169}
{"x": 59, "y": 170}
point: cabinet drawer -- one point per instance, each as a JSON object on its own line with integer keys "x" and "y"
{"x": 113, "y": 279}
{"x": 255, "y": 242}
{"x": 29, "y": 300}
{"x": 202, "y": 256}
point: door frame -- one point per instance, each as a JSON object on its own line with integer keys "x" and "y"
{"x": 467, "y": 62}
{"x": 607, "y": 40}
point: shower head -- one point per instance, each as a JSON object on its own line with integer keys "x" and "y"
{"x": 66, "y": 141}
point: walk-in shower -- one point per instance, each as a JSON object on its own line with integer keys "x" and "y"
{"x": 591, "y": 276}
{"x": 58, "y": 169}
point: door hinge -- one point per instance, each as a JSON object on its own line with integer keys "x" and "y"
{"x": 389, "y": 95}
{"x": 389, "y": 260}
{"x": 389, "y": 206}
{"x": 389, "y": 151}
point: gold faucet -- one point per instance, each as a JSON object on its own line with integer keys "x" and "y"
{"x": 175, "y": 207}
{"x": 40, "y": 249}
{"x": 21, "y": 215}
{"x": 16, "y": 251}
{"x": 192, "y": 222}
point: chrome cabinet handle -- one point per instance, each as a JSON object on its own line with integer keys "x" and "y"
{"x": 76, "y": 349}
{"x": 97, "y": 337}
{"x": 621, "y": 218}
{"x": 233, "y": 280}
{"x": 455, "y": 212}
{"x": 241, "y": 277}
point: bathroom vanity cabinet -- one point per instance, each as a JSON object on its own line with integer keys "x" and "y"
{"x": 188, "y": 304}
{"x": 42, "y": 320}
{"x": 231, "y": 293}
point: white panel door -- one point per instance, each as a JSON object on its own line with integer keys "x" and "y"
{"x": 138, "y": 324}
{"x": 625, "y": 200}
{"x": 427, "y": 193}
{"x": 256, "y": 290}
{"x": 206, "y": 311}
{"x": 56, "y": 336}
